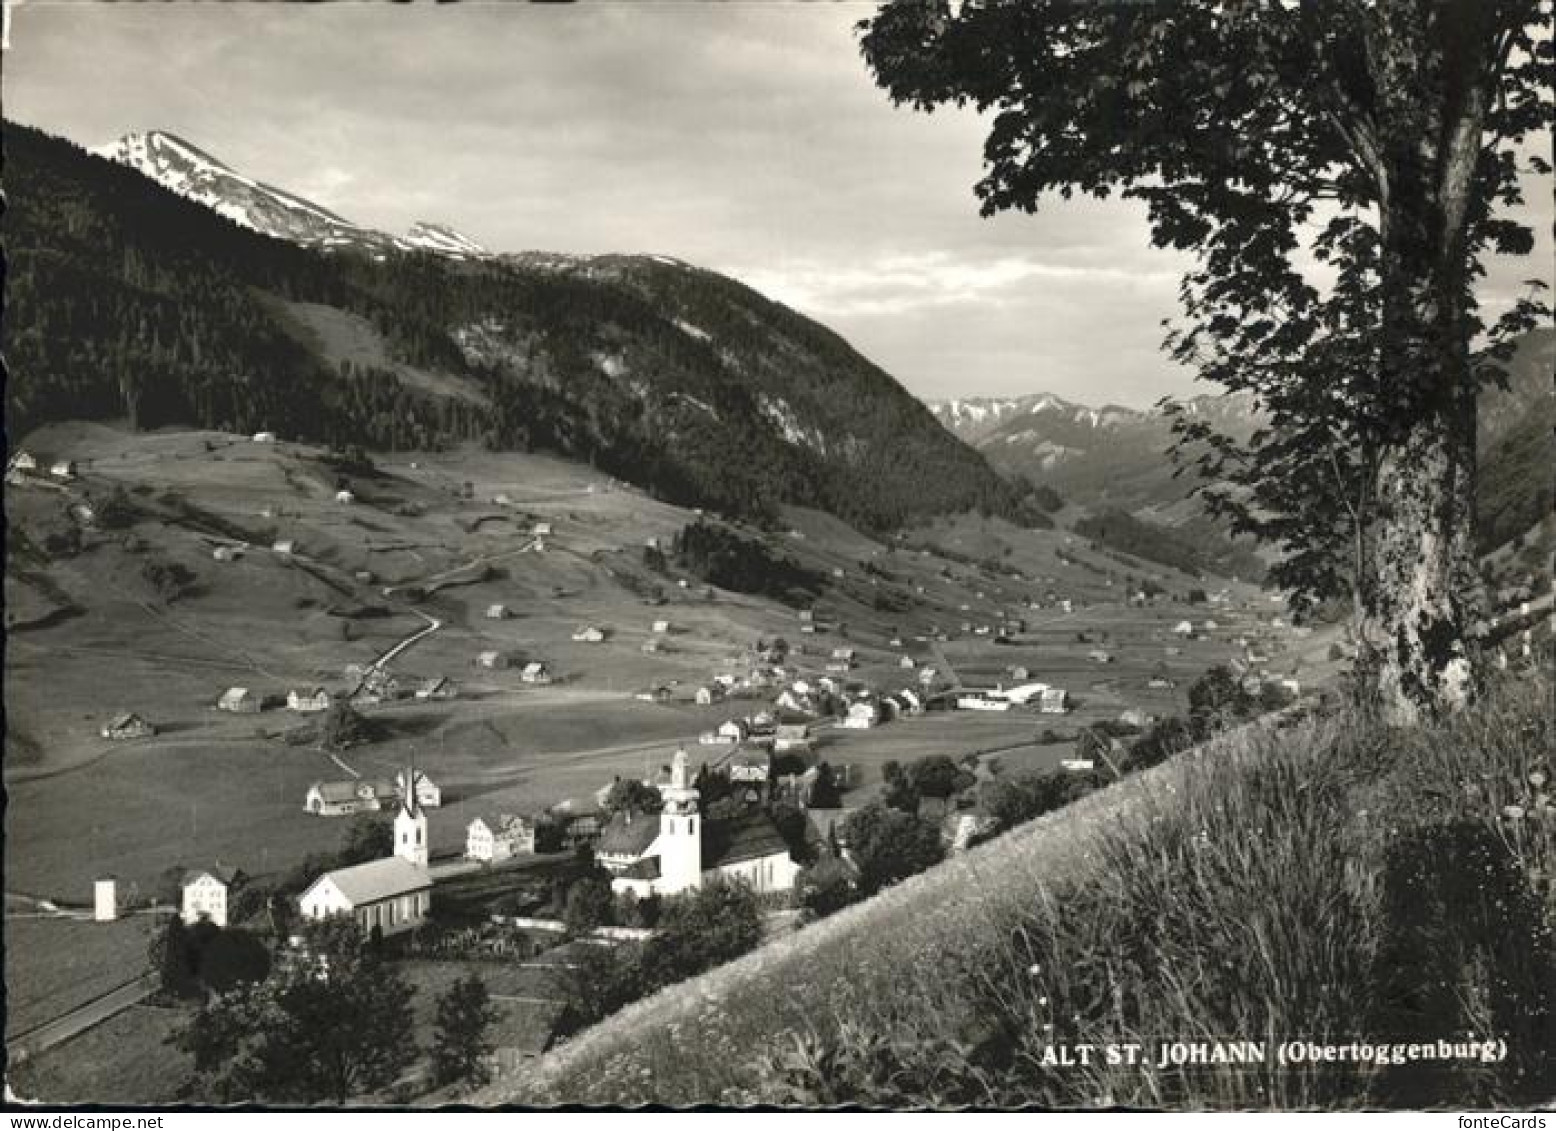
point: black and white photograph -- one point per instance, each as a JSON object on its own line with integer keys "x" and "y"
{"x": 876, "y": 555}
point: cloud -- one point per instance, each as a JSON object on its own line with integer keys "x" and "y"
{"x": 748, "y": 138}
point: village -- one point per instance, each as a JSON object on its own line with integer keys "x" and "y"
{"x": 535, "y": 706}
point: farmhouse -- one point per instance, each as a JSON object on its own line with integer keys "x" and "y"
{"x": 63, "y": 469}
{"x": 491, "y": 659}
{"x": 1022, "y": 694}
{"x": 205, "y": 892}
{"x": 911, "y": 702}
{"x": 906, "y": 663}
{"x": 926, "y": 676}
{"x": 535, "y": 672}
{"x": 1184, "y": 629}
{"x": 497, "y": 612}
{"x": 239, "y": 700}
{"x": 316, "y": 699}
{"x": 654, "y": 694}
{"x": 679, "y": 851}
{"x": 498, "y": 837}
{"x": 661, "y": 627}
{"x": 339, "y": 798}
{"x": 344, "y": 496}
{"x": 650, "y": 647}
{"x": 792, "y": 701}
{"x": 1100, "y": 655}
{"x": 227, "y": 553}
{"x": 1054, "y": 701}
{"x": 708, "y": 695}
{"x": 588, "y": 634}
{"x": 439, "y": 687}
{"x": 286, "y": 547}
{"x": 23, "y": 461}
{"x": 541, "y": 530}
{"x": 1160, "y": 683}
{"x": 428, "y": 795}
{"x": 749, "y": 766}
{"x": 127, "y": 725}
{"x": 264, "y": 437}
{"x": 862, "y": 716}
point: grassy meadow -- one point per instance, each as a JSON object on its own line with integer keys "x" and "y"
{"x": 1330, "y": 881}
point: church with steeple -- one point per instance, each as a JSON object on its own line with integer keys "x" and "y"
{"x": 388, "y": 895}
{"x": 678, "y": 849}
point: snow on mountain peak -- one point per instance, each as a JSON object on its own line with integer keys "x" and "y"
{"x": 192, "y": 173}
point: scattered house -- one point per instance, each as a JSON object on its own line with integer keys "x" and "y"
{"x": 1255, "y": 656}
{"x": 725, "y": 681}
{"x": 535, "y": 672}
{"x": 829, "y": 685}
{"x": 1184, "y": 629}
{"x": 588, "y": 634}
{"x": 345, "y": 496}
{"x": 497, "y": 612}
{"x": 391, "y": 895}
{"x": 239, "y": 700}
{"x": 840, "y": 666}
{"x": 1209, "y": 626}
{"x": 317, "y": 699}
{"x": 1077, "y": 765}
{"x": 1018, "y": 674}
{"x": 428, "y": 794}
{"x": 439, "y": 687}
{"x": 661, "y": 627}
{"x": 541, "y": 530}
{"x": 342, "y": 798}
{"x": 23, "y": 461}
{"x": 286, "y": 547}
{"x": 980, "y": 702}
{"x": 264, "y": 437}
{"x": 1100, "y": 655}
{"x": 911, "y": 701}
{"x": 1134, "y": 717}
{"x": 658, "y": 694}
{"x": 1291, "y": 686}
{"x": 1021, "y": 694}
{"x": 749, "y": 766}
{"x": 807, "y": 616}
{"x": 1173, "y": 651}
{"x": 227, "y": 553}
{"x": 1054, "y": 701}
{"x": 492, "y": 659}
{"x": 906, "y": 663}
{"x": 127, "y": 725}
{"x": 1067, "y": 605}
{"x": 650, "y": 647}
{"x": 499, "y": 837}
{"x": 792, "y": 701}
{"x": 733, "y": 730}
{"x": 63, "y": 469}
{"x": 926, "y": 676}
{"x": 862, "y": 716}
{"x": 205, "y": 892}
{"x": 1160, "y": 683}
{"x": 706, "y": 696}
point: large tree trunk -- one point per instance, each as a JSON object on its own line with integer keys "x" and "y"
{"x": 1419, "y": 598}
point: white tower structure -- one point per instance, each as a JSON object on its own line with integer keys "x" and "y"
{"x": 410, "y": 825}
{"x": 680, "y": 832}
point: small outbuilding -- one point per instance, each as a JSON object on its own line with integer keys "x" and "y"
{"x": 127, "y": 725}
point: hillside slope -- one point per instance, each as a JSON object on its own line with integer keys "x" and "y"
{"x": 127, "y": 299}
{"x": 1243, "y": 888}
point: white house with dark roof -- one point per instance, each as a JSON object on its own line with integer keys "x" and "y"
{"x": 205, "y": 893}
{"x": 239, "y": 700}
{"x": 308, "y": 700}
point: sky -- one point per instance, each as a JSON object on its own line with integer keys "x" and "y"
{"x": 747, "y": 137}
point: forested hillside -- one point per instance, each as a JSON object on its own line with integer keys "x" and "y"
{"x": 126, "y": 300}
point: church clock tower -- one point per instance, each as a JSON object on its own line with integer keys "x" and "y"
{"x": 680, "y": 832}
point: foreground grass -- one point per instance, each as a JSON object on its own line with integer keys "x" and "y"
{"x": 1330, "y": 882}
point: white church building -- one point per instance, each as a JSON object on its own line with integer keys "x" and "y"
{"x": 393, "y": 894}
{"x": 676, "y": 850}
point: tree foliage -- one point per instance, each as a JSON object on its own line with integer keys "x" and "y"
{"x": 1340, "y": 171}
{"x": 327, "y": 1028}
{"x": 461, "y": 1038}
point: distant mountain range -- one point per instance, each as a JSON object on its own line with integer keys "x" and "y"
{"x": 194, "y": 174}
{"x": 164, "y": 286}
{"x": 1113, "y": 457}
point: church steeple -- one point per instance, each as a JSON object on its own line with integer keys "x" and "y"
{"x": 410, "y": 823}
{"x": 680, "y": 831}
